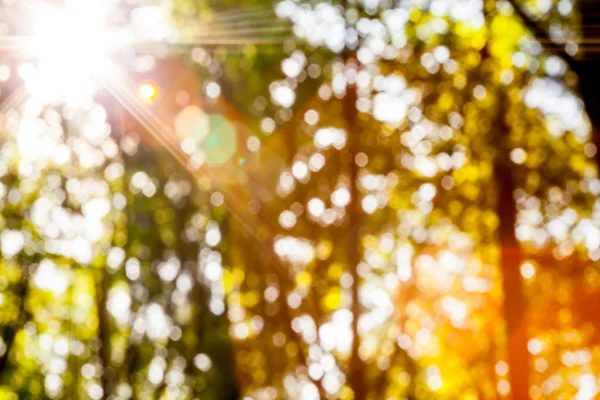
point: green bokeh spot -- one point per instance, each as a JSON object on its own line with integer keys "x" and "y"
{"x": 221, "y": 143}
{"x": 213, "y": 141}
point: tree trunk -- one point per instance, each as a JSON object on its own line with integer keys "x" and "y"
{"x": 104, "y": 334}
{"x": 356, "y": 373}
{"x": 510, "y": 261}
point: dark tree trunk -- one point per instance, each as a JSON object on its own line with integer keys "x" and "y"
{"x": 586, "y": 65}
{"x": 356, "y": 366}
{"x": 514, "y": 299}
{"x": 511, "y": 255}
{"x": 511, "y": 258}
{"x": 356, "y": 373}
{"x": 104, "y": 334}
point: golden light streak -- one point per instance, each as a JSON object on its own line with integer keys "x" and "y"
{"x": 45, "y": 45}
{"x": 214, "y": 31}
{"x": 233, "y": 14}
{"x": 15, "y": 100}
{"x": 162, "y": 133}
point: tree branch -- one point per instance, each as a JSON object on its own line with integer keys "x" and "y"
{"x": 541, "y": 34}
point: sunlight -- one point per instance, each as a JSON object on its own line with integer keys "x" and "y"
{"x": 70, "y": 44}
{"x": 148, "y": 92}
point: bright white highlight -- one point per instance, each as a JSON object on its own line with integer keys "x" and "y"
{"x": 70, "y": 45}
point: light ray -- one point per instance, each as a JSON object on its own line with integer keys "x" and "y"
{"x": 162, "y": 132}
{"x": 243, "y": 33}
{"x": 15, "y": 100}
{"x": 267, "y": 20}
{"x": 233, "y": 29}
{"x": 47, "y": 44}
{"x": 251, "y": 35}
{"x": 12, "y": 102}
{"x": 234, "y": 14}
{"x": 227, "y": 42}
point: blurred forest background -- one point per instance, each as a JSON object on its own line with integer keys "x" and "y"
{"x": 306, "y": 199}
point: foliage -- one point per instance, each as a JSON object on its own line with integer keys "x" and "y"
{"x": 369, "y": 197}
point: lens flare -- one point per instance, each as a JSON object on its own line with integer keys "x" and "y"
{"x": 70, "y": 45}
{"x": 148, "y": 92}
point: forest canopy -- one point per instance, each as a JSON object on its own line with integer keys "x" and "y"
{"x": 299, "y": 199}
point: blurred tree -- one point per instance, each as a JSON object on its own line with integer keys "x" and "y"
{"x": 386, "y": 199}
{"x": 409, "y": 137}
{"x": 111, "y": 266}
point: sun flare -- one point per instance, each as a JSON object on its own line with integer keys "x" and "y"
{"x": 69, "y": 45}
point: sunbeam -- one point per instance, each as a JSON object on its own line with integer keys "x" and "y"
{"x": 166, "y": 137}
{"x": 238, "y": 13}
{"x": 14, "y": 100}
{"x": 68, "y": 43}
{"x": 74, "y": 52}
